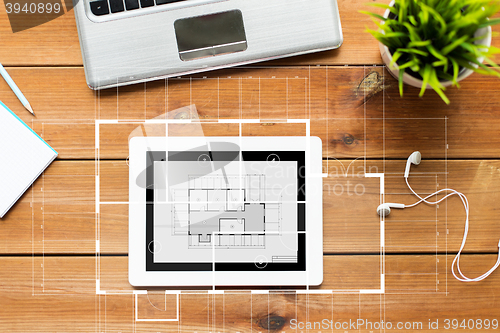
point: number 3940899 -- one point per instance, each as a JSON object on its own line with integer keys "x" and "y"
{"x": 478, "y": 324}
{"x": 32, "y": 8}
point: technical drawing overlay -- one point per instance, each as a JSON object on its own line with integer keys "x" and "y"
{"x": 193, "y": 185}
{"x": 253, "y": 219}
{"x": 433, "y": 278}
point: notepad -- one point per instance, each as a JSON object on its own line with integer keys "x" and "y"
{"x": 23, "y": 157}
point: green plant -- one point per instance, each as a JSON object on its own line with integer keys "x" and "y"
{"x": 434, "y": 39}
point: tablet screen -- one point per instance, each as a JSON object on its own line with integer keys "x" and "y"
{"x": 235, "y": 210}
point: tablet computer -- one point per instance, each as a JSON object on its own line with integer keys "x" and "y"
{"x": 225, "y": 211}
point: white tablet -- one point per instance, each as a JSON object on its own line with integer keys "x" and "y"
{"x": 225, "y": 211}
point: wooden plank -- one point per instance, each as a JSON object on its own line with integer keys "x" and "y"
{"x": 114, "y": 274}
{"x": 58, "y": 214}
{"x": 349, "y": 202}
{"x": 356, "y": 111}
{"x": 53, "y": 43}
{"x": 56, "y": 42}
{"x": 359, "y": 47}
{"x": 68, "y": 300}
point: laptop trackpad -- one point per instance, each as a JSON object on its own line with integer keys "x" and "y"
{"x": 210, "y": 35}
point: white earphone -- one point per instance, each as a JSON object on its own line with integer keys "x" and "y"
{"x": 385, "y": 209}
{"x": 414, "y": 158}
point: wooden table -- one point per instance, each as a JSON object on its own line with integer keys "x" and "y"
{"x": 48, "y": 240}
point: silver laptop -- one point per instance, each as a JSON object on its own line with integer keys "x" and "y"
{"x": 131, "y": 41}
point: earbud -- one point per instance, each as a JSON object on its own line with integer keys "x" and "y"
{"x": 414, "y": 158}
{"x": 385, "y": 209}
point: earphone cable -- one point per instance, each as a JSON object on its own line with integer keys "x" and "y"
{"x": 456, "y": 260}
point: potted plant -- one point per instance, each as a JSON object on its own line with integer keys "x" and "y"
{"x": 432, "y": 44}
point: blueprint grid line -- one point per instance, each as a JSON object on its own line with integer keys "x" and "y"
{"x": 214, "y": 316}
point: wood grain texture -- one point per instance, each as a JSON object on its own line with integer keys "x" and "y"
{"x": 58, "y": 214}
{"x": 56, "y": 42}
{"x": 47, "y": 241}
{"x": 356, "y": 111}
{"x": 61, "y": 291}
{"x": 53, "y": 43}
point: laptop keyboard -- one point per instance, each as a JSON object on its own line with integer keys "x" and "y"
{"x": 105, "y": 7}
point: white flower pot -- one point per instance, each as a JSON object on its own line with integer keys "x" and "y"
{"x": 412, "y": 81}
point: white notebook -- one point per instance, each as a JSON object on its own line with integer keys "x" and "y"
{"x": 23, "y": 157}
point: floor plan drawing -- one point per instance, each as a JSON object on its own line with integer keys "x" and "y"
{"x": 245, "y": 206}
{"x": 225, "y": 212}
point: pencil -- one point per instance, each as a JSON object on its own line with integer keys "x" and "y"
{"x": 16, "y": 90}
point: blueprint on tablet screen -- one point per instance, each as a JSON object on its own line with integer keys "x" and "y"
{"x": 241, "y": 210}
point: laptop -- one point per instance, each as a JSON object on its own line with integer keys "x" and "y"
{"x": 225, "y": 211}
{"x": 131, "y": 41}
